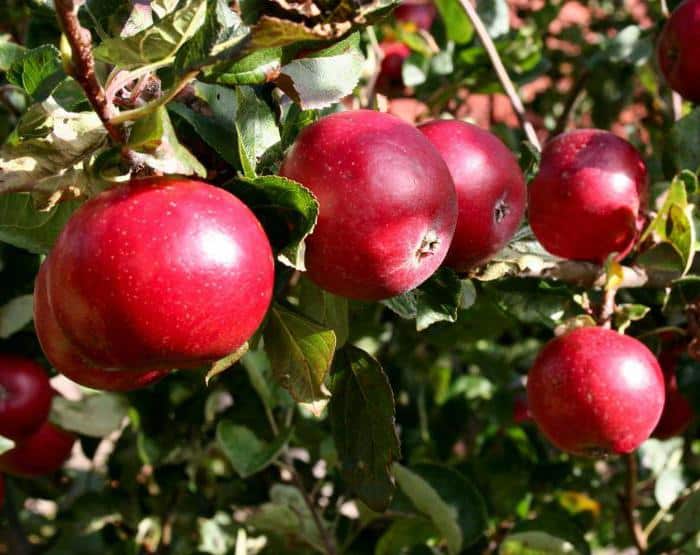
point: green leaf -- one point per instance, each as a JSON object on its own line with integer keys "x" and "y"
{"x": 327, "y": 309}
{"x": 414, "y": 70}
{"x": 437, "y": 300}
{"x": 457, "y": 23}
{"x": 156, "y": 43}
{"x": 247, "y": 453}
{"x": 96, "y": 415}
{"x": 287, "y": 209}
{"x": 256, "y": 128}
{"x": 262, "y": 66}
{"x": 673, "y": 225}
{"x": 212, "y": 131}
{"x": 38, "y": 71}
{"x": 257, "y": 366}
{"x": 326, "y": 77}
{"x": 9, "y": 52}
{"x": 686, "y": 141}
{"x": 687, "y": 517}
{"x": 626, "y": 313}
{"x": 445, "y": 496}
{"x": 405, "y": 533}
{"x": 669, "y": 486}
{"x": 495, "y": 15}
{"x": 16, "y": 314}
{"x": 288, "y": 516}
{"x": 536, "y": 543}
{"x": 155, "y": 144}
{"x": 550, "y": 530}
{"x": 6, "y": 444}
{"x": 362, "y": 419}
{"x": 23, "y": 226}
{"x": 300, "y": 352}
{"x": 222, "y": 36}
{"x": 47, "y": 151}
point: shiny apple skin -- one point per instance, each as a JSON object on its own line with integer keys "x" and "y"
{"x": 388, "y": 206}
{"x": 25, "y": 396}
{"x": 421, "y": 13}
{"x": 490, "y": 186}
{"x": 678, "y": 413}
{"x": 66, "y": 359}
{"x": 594, "y": 391}
{"x": 678, "y": 50}
{"x": 42, "y": 453}
{"x": 160, "y": 274}
{"x": 588, "y": 198}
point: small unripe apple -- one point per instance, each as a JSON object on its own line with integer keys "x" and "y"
{"x": 589, "y": 195}
{"x": 25, "y": 396}
{"x": 490, "y": 187}
{"x": 388, "y": 206}
{"x": 678, "y": 50}
{"x": 392, "y": 63}
{"x": 162, "y": 273}
{"x": 422, "y": 14}
{"x": 678, "y": 413}
{"x": 594, "y": 391}
{"x": 66, "y": 359}
{"x": 44, "y": 452}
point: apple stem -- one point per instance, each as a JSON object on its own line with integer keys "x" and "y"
{"x": 501, "y": 72}
{"x": 630, "y": 504}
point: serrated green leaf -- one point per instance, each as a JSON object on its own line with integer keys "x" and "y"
{"x": 23, "y": 226}
{"x": 15, "y": 314}
{"x": 301, "y": 352}
{"x": 259, "y": 67}
{"x": 362, "y": 418}
{"x": 287, "y": 209}
{"x": 38, "y": 71}
{"x": 327, "y": 309}
{"x": 256, "y": 128}
{"x": 156, "y": 43}
{"x": 9, "y": 52}
{"x": 95, "y": 415}
{"x": 246, "y": 452}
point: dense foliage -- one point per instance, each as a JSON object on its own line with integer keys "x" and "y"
{"x": 397, "y": 426}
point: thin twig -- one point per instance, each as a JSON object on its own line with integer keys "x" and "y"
{"x": 80, "y": 42}
{"x": 371, "y": 89}
{"x": 630, "y": 504}
{"x": 501, "y": 72}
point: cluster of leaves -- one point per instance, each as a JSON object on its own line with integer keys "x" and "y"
{"x": 348, "y": 427}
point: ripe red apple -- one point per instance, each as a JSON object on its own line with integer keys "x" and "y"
{"x": 68, "y": 361}
{"x": 421, "y": 13}
{"x": 678, "y": 50}
{"x": 44, "y": 452}
{"x": 387, "y": 203}
{"x": 490, "y": 187}
{"x": 588, "y": 198}
{"x": 392, "y": 62}
{"x": 160, "y": 274}
{"x": 677, "y": 414}
{"x": 25, "y": 396}
{"x": 594, "y": 391}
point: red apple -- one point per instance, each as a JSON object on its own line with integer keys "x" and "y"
{"x": 678, "y": 50}
{"x": 44, "y": 452}
{"x": 421, "y": 13}
{"x": 387, "y": 203}
{"x": 25, "y": 396}
{"x": 392, "y": 62}
{"x": 490, "y": 187}
{"x": 160, "y": 274}
{"x": 677, "y": 414}
{"x": 68, "y": 361}
{"x": 594, "y": 391}
{"x": 521, "y": 410}
{"x": 588, "y": 198}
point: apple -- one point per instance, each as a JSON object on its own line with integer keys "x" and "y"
{"x": 161, "y": 273}
{"x": 521, "y": 410}
{"x": 678, "y": 50}
{"x": 392, "y": 63}
{"x": 25, "y": 396}
{"x": 588, "y": 198}
{"x": 422, "y": 14}
{"x": 66, "y": 359}
{"x": 678, "y": 413}
{"x": 44, "y": 452}
{"x": 490, "y": 187}
{"x": 594, "y": 391}
{"x": 388, "y": 206}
